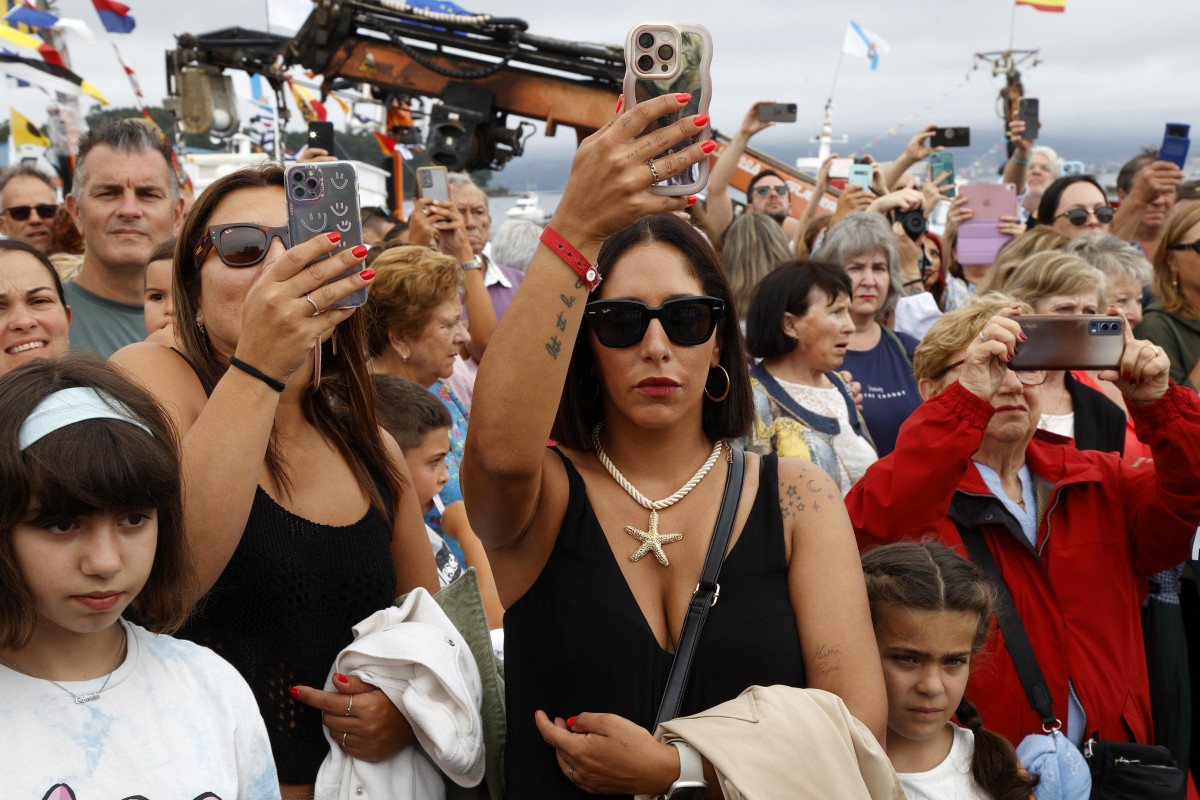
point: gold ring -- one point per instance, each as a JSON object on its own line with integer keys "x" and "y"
{"x": 653, "y": 173}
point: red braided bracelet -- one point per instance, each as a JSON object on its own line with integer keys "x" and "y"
{"x": 575, "y": 260}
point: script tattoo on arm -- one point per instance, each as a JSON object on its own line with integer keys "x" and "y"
{"x": 554, "y": 346}
{"x": 829, "y": 660}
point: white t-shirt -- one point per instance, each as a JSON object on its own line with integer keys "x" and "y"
{"x": 175, "y": 721}
{"x": 854, "y": 453}
{"x": 949, "y": 780}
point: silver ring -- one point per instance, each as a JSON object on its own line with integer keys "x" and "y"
{"x": 653, "y": 172}
{"x": 571, "y": 775}
{"x": 982, "y": 338}
{"x": 344, "y": 735}
{"x": 316, "y": 308}
{"x": 350, "y": 706}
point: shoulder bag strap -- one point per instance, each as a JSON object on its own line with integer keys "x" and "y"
{"x": 706, "y": 594}
{"x": 1024, "y": 659}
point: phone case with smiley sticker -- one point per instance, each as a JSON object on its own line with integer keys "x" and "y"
{"x": 322, "y": 198}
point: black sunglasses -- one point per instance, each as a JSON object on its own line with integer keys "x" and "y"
{"x": 687, "y": 321}
{"x": 21, "y": 213}
{"x": 763, "y": 191}
{"x": 240, "y": 244}
{"x": 1079, "y": 216}
{"x": 1188, "y": 246}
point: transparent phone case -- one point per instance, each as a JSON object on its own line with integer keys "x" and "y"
{"x": 322, "y": 197}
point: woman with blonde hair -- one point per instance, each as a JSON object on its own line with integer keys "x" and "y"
{"x": 754, "y": 245}
{"x": 1062, "y": 285}
{"x": 1172, "y": 317}
{"x": 1038, "y": 239}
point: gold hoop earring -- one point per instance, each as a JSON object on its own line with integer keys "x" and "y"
{"x": 728, "y": 385}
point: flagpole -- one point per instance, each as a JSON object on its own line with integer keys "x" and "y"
{"x": 1012, "y": 25}
{"x": 836, "y": 71}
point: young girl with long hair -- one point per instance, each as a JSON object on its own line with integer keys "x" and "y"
{"x": 931, "y": 609}
{"x": 91, "y": 705}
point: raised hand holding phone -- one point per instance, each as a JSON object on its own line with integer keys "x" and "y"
{"x": 322, "y": 198}
{"x": 1143, "y": 375}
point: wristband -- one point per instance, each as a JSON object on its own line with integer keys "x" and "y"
{"x": 278, "y": 386}
{"x": 573, "y": 258}
{"x": 1020, "y": 161}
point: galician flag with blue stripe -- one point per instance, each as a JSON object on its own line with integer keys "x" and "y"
{"x": 862, "y": 43}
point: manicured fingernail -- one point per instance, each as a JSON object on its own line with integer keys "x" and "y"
{"x": 620, "y": 103}
{"x": 570, "y": 722}
{"x": 340, "y": 678}
{"x": 1127, "y": 375}
{"x": 682, "y": 98}
{"x": 691, "y": 198}
{"x": 334, "y": 236}
{"x": 1021, "y": 335}
{"x": 294, "y": 692}
{"x": 1016, "y": 308}
{"x": 367, "y": 274}
{"x": 701, "y": 120}
{"x": 359, "y": 251}
{"x": 709, "y": 146}
{"x": 1008, "y": 358}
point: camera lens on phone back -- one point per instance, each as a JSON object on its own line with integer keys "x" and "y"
{"x": 311, "y": 183}
{"x": 645, "y": 63}
{"x": 665, "y": 52}
{"x": 645, "y": 40}
{"x": 298, "y": 192}
{"x": 297, "y": 176}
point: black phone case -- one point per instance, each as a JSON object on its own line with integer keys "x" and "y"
{"x": 1074, "y": 342}
{"x": 951, "y": 137}
{"x": 320, "y": 134}
{"x": 331, "y": 204}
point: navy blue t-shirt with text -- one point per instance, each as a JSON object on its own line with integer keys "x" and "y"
{"x": 889, "y": 389}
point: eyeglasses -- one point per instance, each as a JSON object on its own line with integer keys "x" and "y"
{"x": 687, "y": 321}
{"x": 763, "y": 191}
{"x": 1079, "y": 216}
{"x": 240, "y": 244}
{"x": 1029, "y": 377}
{"x": 1188, "y": 246}
{"x": 21, "y": 213}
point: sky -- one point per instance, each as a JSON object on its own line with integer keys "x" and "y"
{"x": 1105, "y": 71}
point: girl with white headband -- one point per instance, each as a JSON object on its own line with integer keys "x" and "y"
{"x": 91, "y": 526}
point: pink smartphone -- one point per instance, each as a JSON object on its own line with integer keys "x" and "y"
{"x": 979, "y": 240}
{"x": 990, "y": 200}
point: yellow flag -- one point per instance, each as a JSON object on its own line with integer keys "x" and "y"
{"x": 20, "y": 39}
{"x": 25, "y": 132}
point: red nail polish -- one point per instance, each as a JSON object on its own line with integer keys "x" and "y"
{"x": 709, "y": 146}
{"x": 692, "y": 198}
{"x": 367, "y": 274}
{"x": 570, "y": 722}
{"x": 294, "y": 692}
{"x": 620, "y": 103}
{"x": 701, "y": 120}
{"x": 1022, "y": 336}
{"x": 340, "y": 678}
{"x": 1127, "y": 374}
{"x": 359, "y": 251}
{"x": 334, "y": 236}
{"x": 682, "y": 97}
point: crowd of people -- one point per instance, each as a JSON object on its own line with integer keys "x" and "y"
{"x": 216, "y": 476}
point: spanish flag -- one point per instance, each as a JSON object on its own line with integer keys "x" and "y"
{"x": 25, "y": 132}
{"x": 1054, "y": 6}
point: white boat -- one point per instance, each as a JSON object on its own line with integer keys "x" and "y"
{"x": 527, "y": 207}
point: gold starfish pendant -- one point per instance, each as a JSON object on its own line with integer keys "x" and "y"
{"x": 652, "y": 541}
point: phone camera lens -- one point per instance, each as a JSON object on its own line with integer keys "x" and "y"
{"x": 645, "y": 63}
{"x": 666, "y": 52}
{"x": 298, "y": 192}
{"x": 311, "y": 183}
{"x": 297, "y": 176}
{"x": 645, "y": 40}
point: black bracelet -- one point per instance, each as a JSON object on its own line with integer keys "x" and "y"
{"x": 913, "y": 282}
{"x": 234, "y": 361}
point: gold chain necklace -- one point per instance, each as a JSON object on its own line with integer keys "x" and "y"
{"x": 651, "y": 540}
{"x": 80, "y": 699}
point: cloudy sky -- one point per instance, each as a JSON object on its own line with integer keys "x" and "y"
{"x": 1104, "y": 71}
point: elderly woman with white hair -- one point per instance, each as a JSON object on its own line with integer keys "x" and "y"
{"x": 878, "y": 357}
{"x": 1031, "y": 168}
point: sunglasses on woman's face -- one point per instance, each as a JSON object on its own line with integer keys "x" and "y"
{"x": 240, "y": 244}
{"x": 1079, "y": 216}
{"x": 21, "y": 213}
{"x": 687, "y": 321}
{"x": 1187, "y": 246}
{"x": 763, "y": 191}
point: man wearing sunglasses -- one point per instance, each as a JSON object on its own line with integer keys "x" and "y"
{"x": 125, "y": 200}
{"x": 767, "y": 193}
{"x": 28, "y": 201}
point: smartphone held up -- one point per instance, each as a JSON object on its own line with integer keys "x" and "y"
{"x": 1080, "y": 341}
{"x": 322, "y": 197}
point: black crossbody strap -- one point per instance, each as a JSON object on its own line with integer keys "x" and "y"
{"x": 706, "y": 594}
{"x": 1028, "y": 669}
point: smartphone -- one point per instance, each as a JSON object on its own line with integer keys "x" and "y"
{"x": 432, "y": 183}
{"x": 940, "y": 162}
{"x": 979, "y": 239}
{"x": 670, "y": 58}
{"x": 322, "y": 197}
{"x": 1175, "y": 144}
{"x": 1027, "y": 112}
{"x": 991, "y": 201}
{"x": 1074, "y": 342}
{"x": 1071, "y": 168}
{"x": 860, "y": 175}
{"x": 777, "y": 112}
{"x": 320, "y": 134}
{"x": 950, "y": 137}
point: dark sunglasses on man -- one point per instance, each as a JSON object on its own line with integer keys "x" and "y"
{"x": 239, "y": 244}
{"x": 763, "y": 191}
{"x": 21, "y": 213}
{"x": 687, "y": 321}
{"x": 1079, "y": 216}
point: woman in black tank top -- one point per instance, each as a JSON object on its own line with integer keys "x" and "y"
{"x": 299, "y": 511}
{"x": 639, "y": 397}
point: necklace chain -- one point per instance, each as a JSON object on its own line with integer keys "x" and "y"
{"x": 653, "y": 505}
{"x": 79, "y": 698}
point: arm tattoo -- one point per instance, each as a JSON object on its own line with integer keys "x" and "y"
{"x": 553, "y": 347}
{"x": 567, "y": 301}
{"x": 828, "y": 660}
{"x": 561, "y": 323}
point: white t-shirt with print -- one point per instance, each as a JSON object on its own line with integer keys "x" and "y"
{"x": 949, "y": 780}
{"x": 175, "y": 721}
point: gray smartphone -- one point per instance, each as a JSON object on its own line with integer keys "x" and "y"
{"x": 1027, "y": 112}
{"x": 776, "y": 112}
{"x": 432, "y": 183}
{"x": 322, "y": 198}
{"x": 1081, "y": 341}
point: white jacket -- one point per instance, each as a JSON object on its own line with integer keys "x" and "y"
{"x": 421, "y": 662}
